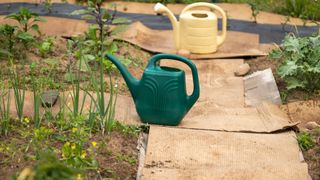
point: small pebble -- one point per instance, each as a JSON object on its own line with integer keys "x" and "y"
{"x": 242, "y": 70}
{"x": 311, "y": 125}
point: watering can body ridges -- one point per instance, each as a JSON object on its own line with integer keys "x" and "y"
{"x": 196, "y": 30}
{"x": 160, "y": 96}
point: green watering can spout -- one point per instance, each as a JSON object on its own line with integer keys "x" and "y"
{"x": 132, "y": 82}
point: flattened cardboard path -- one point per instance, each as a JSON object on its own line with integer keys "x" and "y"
{"x": 175, "y": 153}
{"x": 237, "y": 44}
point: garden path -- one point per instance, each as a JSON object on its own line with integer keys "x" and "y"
{"x": 220, "y": 138}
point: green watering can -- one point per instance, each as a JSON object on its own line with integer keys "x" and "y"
{"x": 160, "y": 96}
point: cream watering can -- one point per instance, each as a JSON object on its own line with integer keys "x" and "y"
{"x": 196, "y": 30}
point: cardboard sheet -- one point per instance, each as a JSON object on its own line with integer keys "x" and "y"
{"x": 237, "y": 44}
{"x": 209, "y": 116}
{"x": 217, "y": 81}
{"x": 175, "y": 153}
{"x": 259, "y": 87}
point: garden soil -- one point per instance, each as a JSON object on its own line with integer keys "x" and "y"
{"x": 304, "y": 111}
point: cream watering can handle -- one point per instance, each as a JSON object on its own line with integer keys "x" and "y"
{"x": 222, "y": 37}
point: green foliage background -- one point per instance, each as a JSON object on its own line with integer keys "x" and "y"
{"x": 306, "y": 9}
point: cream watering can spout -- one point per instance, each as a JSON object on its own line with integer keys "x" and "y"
{"x": 160, "y": 8}
{"x": 197, "y": 30}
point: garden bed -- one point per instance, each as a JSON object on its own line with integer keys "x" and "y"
{"x": 70, "y": 140}
{"x": 115, "y": 155}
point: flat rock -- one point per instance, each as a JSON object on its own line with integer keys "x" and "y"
{"x": 49, "y": 98}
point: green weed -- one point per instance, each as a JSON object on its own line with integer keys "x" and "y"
{"x": 46, "y": 46}
{"x": 305, "y": 141}
{"x": 4, "y": 111}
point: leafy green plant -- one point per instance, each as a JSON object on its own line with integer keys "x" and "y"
{"x": 101, "y": 40}
{"x": 27, "y": 19}
{"x": 299, "y": 62}
{"x": 8, "y": 36}
{"x": 4, "y": 110}
{"x": 305, "y": 141}
{"x": 36, "y": 89}
{"x": 12, "y": 40}
{"x": 306, "y": 9}
{"x": 46, "y": 46}
{"x": 18, "y": 85}
{"x": 74, "y": 151}
{"x": 254, "y": 10}
{"x": 42, "y": 133}
{"x": 131, "y": 130}
{"x": 47, "y": 5}
{"x": 296, "y": 8}
{"x": 49, "y": 167}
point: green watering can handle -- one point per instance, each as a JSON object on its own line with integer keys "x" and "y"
{"x": 196, "y": 89}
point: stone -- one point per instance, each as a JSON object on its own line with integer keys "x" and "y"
{"x": 184, "y": 53}
{"x": 242, "y": 70}
{"x": 49, "y": 98}
{"x": 312, "y": 125}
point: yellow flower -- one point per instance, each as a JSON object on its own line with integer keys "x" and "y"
{"x": 67, "y": 143}
{"x": 74, "y": 130}
{"x": 26, "y": 120}
{"x": 94, "y": 144}
{"x": 79, "y": 177}
{"x": 83, "y": 155}
{"x": 73, "y": 147}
